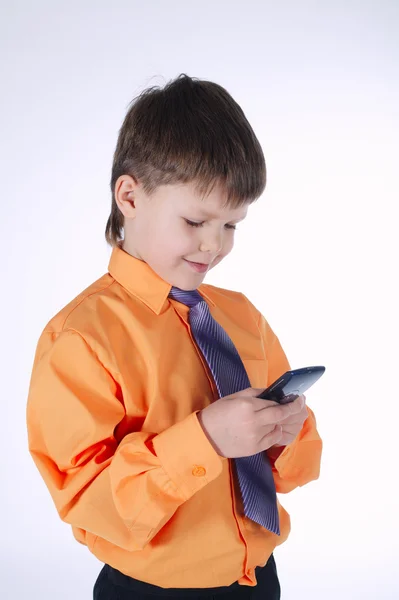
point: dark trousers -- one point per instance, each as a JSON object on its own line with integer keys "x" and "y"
{"x": 114, "y": 585}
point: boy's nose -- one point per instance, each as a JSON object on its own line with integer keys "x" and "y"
{"x": 212, "y": 244}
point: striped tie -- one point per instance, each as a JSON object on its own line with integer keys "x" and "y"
{"x": 254, "y": 473}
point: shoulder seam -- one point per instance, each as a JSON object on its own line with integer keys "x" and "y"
{"x": 73, "y": 331}
{"x": 85, "y": 298}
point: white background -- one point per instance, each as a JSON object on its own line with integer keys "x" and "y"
{"x": 318, "y": 253}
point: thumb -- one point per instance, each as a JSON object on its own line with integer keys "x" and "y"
{"x": 258, "y": 391}
{"x": 259, "y": 403}
{"x": 252, "y": 392}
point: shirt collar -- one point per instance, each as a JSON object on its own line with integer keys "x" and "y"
{"x": 137, "y": 277}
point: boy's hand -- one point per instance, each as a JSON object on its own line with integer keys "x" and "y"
{"x": 293, "y": 424}
{"x": 242, "y": 424}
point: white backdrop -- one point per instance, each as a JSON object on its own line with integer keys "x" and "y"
{"x": 318, "y": 253}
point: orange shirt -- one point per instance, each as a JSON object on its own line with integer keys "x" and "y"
{"x": 116, "y": 386}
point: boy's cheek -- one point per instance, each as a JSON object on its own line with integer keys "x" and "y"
{"x": 217, "y": 261}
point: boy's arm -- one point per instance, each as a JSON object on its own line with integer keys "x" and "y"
{"x": 299, "y": 462}
{"x": 124, "y": 493}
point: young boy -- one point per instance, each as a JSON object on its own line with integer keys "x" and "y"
{"x": 143, "y": 417}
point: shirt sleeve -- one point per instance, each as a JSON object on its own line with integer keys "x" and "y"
{"x": 123, "y": 492}
{"x": 299, "y": 462}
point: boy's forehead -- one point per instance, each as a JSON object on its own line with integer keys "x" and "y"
{"x": 212, "y": 205}
{"x": 215, "y": 204}
{"x": 208, "y": 213}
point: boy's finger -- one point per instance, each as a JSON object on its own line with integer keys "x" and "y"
{"x": 260, "y": 404}
{"x": 276, "y": 413}
{"x": 254, "y": 393}
{"x": 250, "y": 391}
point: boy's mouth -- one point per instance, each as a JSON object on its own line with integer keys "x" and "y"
{"x": 198, "y": 267}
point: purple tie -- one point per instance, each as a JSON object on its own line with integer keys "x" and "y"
{"x": 254, "y": 473}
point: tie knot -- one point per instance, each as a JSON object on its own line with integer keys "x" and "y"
{"x": 189, "y": 298}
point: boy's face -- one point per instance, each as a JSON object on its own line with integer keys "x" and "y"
{"x": 177, "y": 233}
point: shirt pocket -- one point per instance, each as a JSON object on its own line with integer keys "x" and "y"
{"x": 257, "y": 371}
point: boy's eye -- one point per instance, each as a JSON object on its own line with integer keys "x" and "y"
{"x": 195, "y": 224}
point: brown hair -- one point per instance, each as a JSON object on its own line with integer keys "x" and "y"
{"x": 189, "y": 131}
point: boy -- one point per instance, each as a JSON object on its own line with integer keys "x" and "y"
{"x": 142, "y": 413}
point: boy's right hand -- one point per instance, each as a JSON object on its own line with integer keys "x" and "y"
{"x": 242, "y": 424}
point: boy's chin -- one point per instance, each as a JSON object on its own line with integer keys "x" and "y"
{"x": 188, "y": 285}
{"x": 187, "y": 281}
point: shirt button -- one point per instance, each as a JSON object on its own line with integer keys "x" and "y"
{"x": 199, "y": 471}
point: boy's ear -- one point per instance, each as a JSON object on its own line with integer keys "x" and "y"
{"x": 125, "y": 192}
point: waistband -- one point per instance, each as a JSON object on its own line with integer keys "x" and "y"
{"x": 142, "y": 587}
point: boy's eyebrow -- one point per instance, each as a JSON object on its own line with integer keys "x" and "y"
{"x": 204, "y": 213}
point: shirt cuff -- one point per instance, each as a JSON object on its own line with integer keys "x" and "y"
{"x": 187, "y": 455}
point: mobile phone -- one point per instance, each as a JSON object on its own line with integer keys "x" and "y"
{"x": 292, "y": 384}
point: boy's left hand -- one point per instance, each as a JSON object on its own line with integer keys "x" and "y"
{"x": 292, "y": 425}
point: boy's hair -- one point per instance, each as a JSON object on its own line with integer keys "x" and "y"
{"x": 190, "y": 131}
